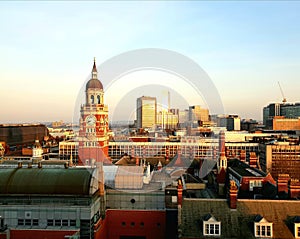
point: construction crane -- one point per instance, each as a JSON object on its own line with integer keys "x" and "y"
{"x": 283, "y": 98}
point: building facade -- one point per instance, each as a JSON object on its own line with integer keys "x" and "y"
{"x": 22, "y": 134}
{"x": 282, "y": 123}
{"x": 146, "y": 108}
{"x": 167, "y": 120}
{"x": 93, "y": 134}
{"x": 281, "y": 158}
{"x": 49, "y": 202}
{"x": 287, "y": 110}
{"x": 197, "y": 113}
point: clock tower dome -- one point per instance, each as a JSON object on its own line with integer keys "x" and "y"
{"x": 93, "y": 133}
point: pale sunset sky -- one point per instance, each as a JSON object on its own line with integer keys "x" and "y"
{"x": 47, "y": 51}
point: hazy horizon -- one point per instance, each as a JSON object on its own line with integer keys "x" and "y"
{"x": 47, "y": 49}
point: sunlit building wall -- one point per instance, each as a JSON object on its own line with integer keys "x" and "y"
{"x": 146, "y": 112}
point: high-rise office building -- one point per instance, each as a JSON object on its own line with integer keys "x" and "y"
{"x": 146, "y": 112}
{"x": 167, "y": 120}
{"x": 196, "y": 113}
{"x": 288, "y": 110}
{"x": 269, "y": 112}
{"x": 231, "y": 122}
{"x": 183, "y": 117}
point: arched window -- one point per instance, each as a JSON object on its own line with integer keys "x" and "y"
{"x": 98, "y": 99}
{"x": 92, "y": 99}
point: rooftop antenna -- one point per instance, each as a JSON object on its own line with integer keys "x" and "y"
{"x": 283, "y": 98}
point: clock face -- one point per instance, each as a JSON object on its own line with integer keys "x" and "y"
{"x": 91, "y": 120}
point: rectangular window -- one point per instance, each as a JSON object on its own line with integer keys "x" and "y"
{"x": 258, "y": 230}
{"x": 28, "y": 222}
{"x": 21, "y": 222}
{"x": 65, "y": 223}
{"x": 217, "y": 229}
{"x": 268, "y": 231}
{"x": 206, "y": 229}
{"x": 35, "y": 222}
{"x": 1, "y": 222}
{"x": 211, "y": 229}
{"x": 50, "y": 222}
{"x": 263, "y": 230}
{"x": 298, "y": 231}
{"x": 58, "y": 223}
{"x": 72, "y": 223}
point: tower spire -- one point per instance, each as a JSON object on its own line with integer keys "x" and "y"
{"x": 94, "y": 71}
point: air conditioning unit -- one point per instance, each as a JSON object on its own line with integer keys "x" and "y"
{"x": 27, "y": 215}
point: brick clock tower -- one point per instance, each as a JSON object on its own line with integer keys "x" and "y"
{"x": 93, "y": 133}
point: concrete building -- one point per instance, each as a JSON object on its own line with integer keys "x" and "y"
{"x": 280, "y": 158}
{"x": 197, "y": 113}
{"x": 191, "y": 148}
{"x": 183, "y": 118}
{"x": 288, "y": 110}
{"x": 39, "y": 202}
{"x": 167, "y": 120}
{"x": 249, "y": 125}
{"x": 67, "y": 149}
{"x": 282, "y": 123}
{"x": 231, "y": 122}
{"x": 146, "y": 112}
{"x": 22, "y": 134}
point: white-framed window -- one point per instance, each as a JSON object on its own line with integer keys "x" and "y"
{"x": 263, "y": 228}
{"x": 254, "y": 183}
{"x": 297, "y": 230}
{"x": 211, "y": 227}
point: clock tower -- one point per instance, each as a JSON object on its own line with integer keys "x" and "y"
{"x": 93, "y": 133}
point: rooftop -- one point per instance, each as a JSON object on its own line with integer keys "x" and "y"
{"x": 243, "y": 169}
{"x": 239, "y": 223}
{"x": 42, "y": 181}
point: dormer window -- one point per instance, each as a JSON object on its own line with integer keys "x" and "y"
{"x": 211, "y": 227}
{"x": 262, "y": 228}
{"x": 297, "y": 227}
{"x": 297, "y": 230}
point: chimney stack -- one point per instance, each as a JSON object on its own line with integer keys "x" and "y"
{"x": 101, "y": 179}
{"x": 295, "y": 188}
{"x": 179, "y": 193}
{"x": 233, "y": 192}
{"x": 137, "y": 161}
{"x": 283, "y": 183}
{"x": 243, "y": 156}
{"x": 253, "y": 160}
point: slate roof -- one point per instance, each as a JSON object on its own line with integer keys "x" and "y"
{"x": 180, "y": 161}
{"x": 239, "y": 223}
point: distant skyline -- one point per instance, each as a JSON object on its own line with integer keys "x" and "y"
{"x": 47, "y": 50}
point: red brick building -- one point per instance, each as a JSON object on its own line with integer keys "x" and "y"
{"x": 93, "y": 134}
